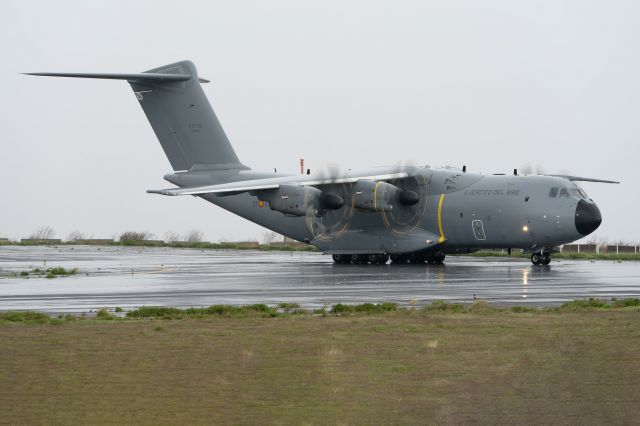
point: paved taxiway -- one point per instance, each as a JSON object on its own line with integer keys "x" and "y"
{"x": 129, "y": 277}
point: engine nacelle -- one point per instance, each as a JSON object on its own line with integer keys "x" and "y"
{"x": 373, "y": 196}
{"x": 292, "y": 200}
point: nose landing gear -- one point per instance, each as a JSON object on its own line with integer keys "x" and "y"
{"x": 541, "y": 258}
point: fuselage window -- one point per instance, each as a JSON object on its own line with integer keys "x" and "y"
{"x": 553, "y": 193}
{"x": 564, "y": 193}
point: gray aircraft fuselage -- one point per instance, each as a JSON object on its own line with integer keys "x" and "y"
{"x": 463, "y": 211}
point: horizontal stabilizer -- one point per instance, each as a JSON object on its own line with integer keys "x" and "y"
{"x": 584, "y": 179}
{"x": 143, "y": 76}
{"x": 270, "y": 183}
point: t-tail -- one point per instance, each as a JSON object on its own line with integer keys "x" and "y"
{"x": 180, "y": 115}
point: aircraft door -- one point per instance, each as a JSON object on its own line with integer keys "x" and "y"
{"x": 478, "y": 230}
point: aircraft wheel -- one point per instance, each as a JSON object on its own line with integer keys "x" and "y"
{"x": 439, "y": 257}
{"x": 378, "y": 259}
{"x": 536, "y": 258}
{"x": 546, "y": 259}
{"x": 341, "y": 258}
{"x": 360, "y": 259}
{"x": 417, "y": 258}
{"x": 398, "y": 258}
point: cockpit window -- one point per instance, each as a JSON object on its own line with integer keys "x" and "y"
{"x": 578, "y": 192}
{"x": 564, "y": 193}
{"x": 553, "y": 192}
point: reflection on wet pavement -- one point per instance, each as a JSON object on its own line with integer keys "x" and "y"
{"x": 131, "y": 276}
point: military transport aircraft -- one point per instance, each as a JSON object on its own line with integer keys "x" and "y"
{"x": 410, "y": 214}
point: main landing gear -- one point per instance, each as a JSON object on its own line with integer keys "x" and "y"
{"x": 541, "y": 258}
{"x": 381, "y": 259}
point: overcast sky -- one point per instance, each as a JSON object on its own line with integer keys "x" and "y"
{"x": 491, "y": 84}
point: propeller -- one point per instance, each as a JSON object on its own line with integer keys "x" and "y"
{"x": 408, "y": 206}
{"x": 532, "y": 169}
{"x": 331, "y": 217}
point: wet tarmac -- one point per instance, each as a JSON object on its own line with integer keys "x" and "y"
{"x": 129, "y": 277}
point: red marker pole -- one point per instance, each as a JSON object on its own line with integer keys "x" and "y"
{"x": 302, "y": 166}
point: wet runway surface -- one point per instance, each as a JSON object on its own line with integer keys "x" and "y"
{"x": 129, "y": 277}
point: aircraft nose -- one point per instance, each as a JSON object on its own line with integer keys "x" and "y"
{"x": 588, "y": 217}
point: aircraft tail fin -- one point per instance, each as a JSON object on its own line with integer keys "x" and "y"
{"x": 179, "y": 113}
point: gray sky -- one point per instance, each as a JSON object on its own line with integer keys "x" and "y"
{"x": 490, "y": 84}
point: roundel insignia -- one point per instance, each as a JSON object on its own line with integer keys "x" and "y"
{"x": 261, "y": 204}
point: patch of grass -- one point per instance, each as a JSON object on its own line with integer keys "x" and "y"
{"x": 369, "y": 308}
{"x": 441, "y": 367}
{"x": 24, "y": 316}
{"x": 59, "y": 272}
{"x": 257, "y": 310}
{"x": 600, "y": 304}
{"x": 441, "y": 305}
{"x": 521, "y": 309}
{"x": 625, "y": 303}
{"x": 585, "y": 304}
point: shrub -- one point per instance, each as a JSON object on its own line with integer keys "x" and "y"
{"x": 132, "y": 236}
{"x": 104, "y": 314}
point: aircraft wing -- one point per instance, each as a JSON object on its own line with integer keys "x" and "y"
{"x": 271, "y": 183}
{"x": 584, "y": 179}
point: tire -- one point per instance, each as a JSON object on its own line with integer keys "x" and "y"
{"x": 341, "y": 259}
{"x": 536, "y": 258}
{"x": 378, "y": 259}
{"x": 546, "y": 259}
{"x": 360, "y": 259}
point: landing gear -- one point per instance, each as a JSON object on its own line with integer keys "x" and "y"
{"x": 383, "y": 258}
{"x": 341, "y": 259}
{"x": 361, "y": 259}
{"x": 378, "y": 259}
{"x": 543, "y": 258}
{"x": 418, "y": 258}
{"x": 399, "y": 258}
{"x": 435, "y": 258}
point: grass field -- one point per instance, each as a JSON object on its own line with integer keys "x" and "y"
{"x": 448, "y": 365}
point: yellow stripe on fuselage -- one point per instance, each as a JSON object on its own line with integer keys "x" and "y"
{"x": 375, "y": 196}
{"x": 442, "y": 238}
